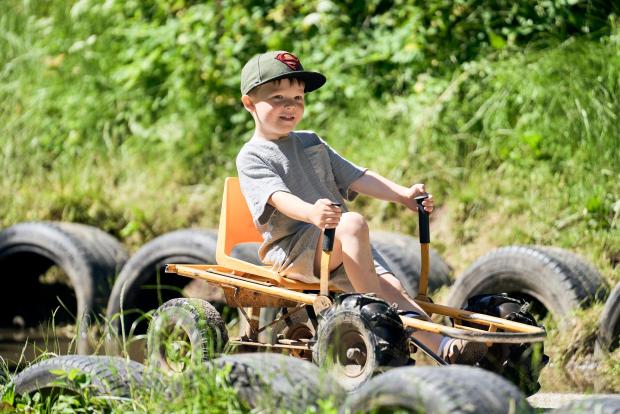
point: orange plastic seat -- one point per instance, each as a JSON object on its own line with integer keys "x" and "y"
{"x": 237, "y": 226}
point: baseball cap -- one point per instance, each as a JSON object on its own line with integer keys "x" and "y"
{"x": 274, "y": 65}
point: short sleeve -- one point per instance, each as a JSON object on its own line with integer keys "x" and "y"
{"x": 258, "y": 181}
{"x": 345, "y": 172}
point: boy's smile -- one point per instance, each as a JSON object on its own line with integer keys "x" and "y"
{"x": 277, "y": 107}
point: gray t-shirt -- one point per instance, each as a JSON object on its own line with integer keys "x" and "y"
{"x": 301, "y": 164}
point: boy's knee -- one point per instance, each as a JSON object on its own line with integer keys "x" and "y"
{"x": 352, "y": 223}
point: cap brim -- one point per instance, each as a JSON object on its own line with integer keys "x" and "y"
{"x": 312, "y": 80}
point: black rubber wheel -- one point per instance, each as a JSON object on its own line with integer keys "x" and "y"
{"x": 592, "y": 282}
{"x": 184, "y": 333}
{"x": 108, "y": 376}
{"x": 438, "y": 390}
{"x": 295, "y": 324}
{"x": 402, "y": 254}
{"x": 142, "y": 284}
{"x": 359, "y": 336}
{"x": 608, "y": 337}
{"x": 272, "y": 382}
{"x": 594, "y": 405}
{"x": 523, "y": 272}
{"x": 519, "y": 363}
{"x": 67, "y": 266}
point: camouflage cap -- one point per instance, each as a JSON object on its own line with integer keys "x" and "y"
{"x": 270, "y": 66}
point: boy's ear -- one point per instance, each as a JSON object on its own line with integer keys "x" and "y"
{"x": 247, "y": 103}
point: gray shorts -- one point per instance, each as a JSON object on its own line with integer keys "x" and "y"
{"x": 293, "y": 257}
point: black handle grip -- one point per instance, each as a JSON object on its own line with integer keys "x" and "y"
{"x": 330, "y": 234}
{"x": 328, "y": 239}
{"x": 425, "y": 233}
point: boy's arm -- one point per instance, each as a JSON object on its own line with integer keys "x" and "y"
{"x": 374, "y": 185}
{"x": 322, "y": 213}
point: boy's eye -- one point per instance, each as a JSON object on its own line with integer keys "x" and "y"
{"x": 278, "y": 97}
{"x": 299, "y": 98}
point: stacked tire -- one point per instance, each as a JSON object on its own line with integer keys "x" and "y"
{"x": 67, "y": 269}
{"x": 553, "y": 280}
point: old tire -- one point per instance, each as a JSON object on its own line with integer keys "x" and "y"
{"x": 438, "y": 390}
{"x": 272, "y": 382}
{"x": 184, "y": 333}
{"x": 608, "y": 337}
{"x": 248, "y": 252}
{"x": 591, "y": 280}
{"x": 402, "y": 254}
{"x": 109, "y": 376}
{"x": 142, "y": 285}
{"x": 598, "y": 405}
{"x": 358, "y": 337}
{"x": 525, "y": 272}
{"x": 88, "y": 260}
{"x": 521, "y": 364}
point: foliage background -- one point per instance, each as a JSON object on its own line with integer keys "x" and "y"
{"x": 126, "y": 114}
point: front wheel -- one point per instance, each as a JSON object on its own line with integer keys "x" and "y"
{"x": 359, "y": 336}
{"x": 184, "y": 332}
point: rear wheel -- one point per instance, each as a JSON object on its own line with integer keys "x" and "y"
{"x": 295, "y": 325}
{"x": 358, "y": 337}
{"x": 184, "y": 332}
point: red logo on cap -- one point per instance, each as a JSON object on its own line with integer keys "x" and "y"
{"x": 289, "y": 60}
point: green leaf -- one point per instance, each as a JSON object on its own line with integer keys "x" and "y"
{"x": 497, "y": 42}
{"x": 73, "y": 374}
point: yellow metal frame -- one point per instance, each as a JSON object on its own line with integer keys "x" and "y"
{"x": 250, "y": 282}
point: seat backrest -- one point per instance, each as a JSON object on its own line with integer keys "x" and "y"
{"x": 236, "y": 224}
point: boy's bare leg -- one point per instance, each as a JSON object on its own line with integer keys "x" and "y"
{"x": 393, "y": 292}
{"x": 352, "y": 249}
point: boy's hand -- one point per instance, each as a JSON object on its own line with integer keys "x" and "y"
{"x": 414, "y": 191}
{"x": 325, "y": 215}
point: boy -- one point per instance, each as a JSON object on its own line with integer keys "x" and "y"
{"x": 295, "y": 186}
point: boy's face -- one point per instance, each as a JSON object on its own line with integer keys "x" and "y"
{"x": 277, "y": 107}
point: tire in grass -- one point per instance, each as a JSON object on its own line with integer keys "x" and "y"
{"x": 608, "y": 336}
{"x": 67, "y": 266}
{"x": 143, "y": 285}
{"x": 358, "y": 337}
{"x": 107, "y": 376}
{"x": 523, "y": 272}
{"x": 591, "y": 405}
{"x": 183, "y": 333}
{"x": 519, "y": 363}
{"x": 591, "y": 280}
{"x": 268, "y": 382}
{"x": 438, "y": 390}
{"x": 402, "y": 254}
